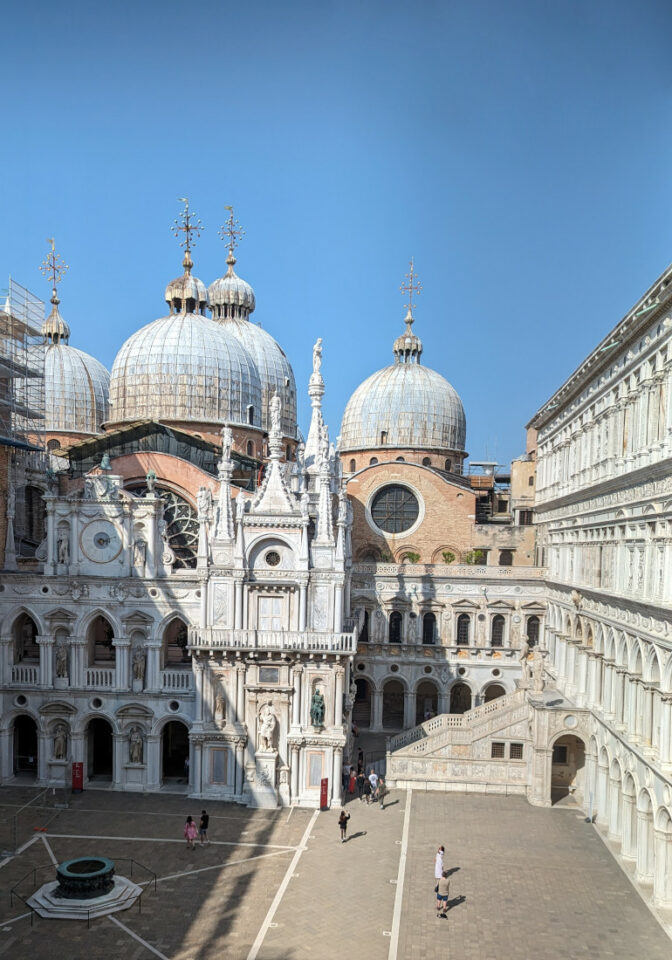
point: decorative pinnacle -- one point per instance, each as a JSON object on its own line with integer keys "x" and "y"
{"x": 231, "y": 233}
{"x": 411, "y": 286}
{"x": 54, "y": 267}
{"x": 187, "y": 224}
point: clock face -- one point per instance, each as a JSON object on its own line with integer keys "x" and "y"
{"x": 101, "y": 541}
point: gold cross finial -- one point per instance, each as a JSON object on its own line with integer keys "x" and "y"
{"x": 231, "y": 231}
{"x": 411, "y": 286}
{"x": 53, "y": 267}
{"x": 187, "y": 224}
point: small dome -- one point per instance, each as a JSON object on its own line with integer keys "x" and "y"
{"x": 231, "y": 297}
{"x": 186, "y": 288}
{"x": 54, "y": 328}
{"x": 185, "y": 367}
{"x": 76, "y": 388}
{"x": 404, "y": 405}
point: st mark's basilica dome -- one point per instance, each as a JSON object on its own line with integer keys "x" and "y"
{"x": 404, "y": 406}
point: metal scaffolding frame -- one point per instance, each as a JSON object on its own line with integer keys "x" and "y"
{"x": 21, "y": 368}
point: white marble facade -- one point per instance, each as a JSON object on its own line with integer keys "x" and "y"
{"x": 603, "y": 514}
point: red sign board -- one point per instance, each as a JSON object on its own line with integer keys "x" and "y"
{"x": 77, "y": 777}
{"x": 324, "y": 793}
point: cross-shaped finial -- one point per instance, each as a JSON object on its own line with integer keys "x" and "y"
{"x": 187, "y": 224}
{"x": 231, "y": 231}
{"x": 411, "y": 286}
{"x": 53, "y": 266}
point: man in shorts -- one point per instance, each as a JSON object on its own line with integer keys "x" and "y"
{"x": 442, "y": 895}
{"x": 203, "y": 827}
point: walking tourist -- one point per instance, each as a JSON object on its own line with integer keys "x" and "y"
{"x": 361, "y": 780}
{"x": 203, "y": 827}
{"x": 367, "y": 790}
{"x": 190, "y": 833}
{"x": 382, "y": 793}
{"x": 438, "y": 863}
{"x": 442, "y": 894}
{"x": 343, "y": 824}
{"x": 373, "y": 780}
{"x": 352, "y": 781}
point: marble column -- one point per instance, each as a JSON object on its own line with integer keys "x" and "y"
{"x": 628, "y": 841}
{"x": 409, "y": 708}
{"x": 240, "y": 766}
{"x": 153, "y": 761}
{"x": 644, "y": 868}
{"x": 662, "y": 877}
{"x": 46, "y": 645}
{"x": 238, "y": 604}
{"x": 336, "y": 786}
{"x": 376, "y": 709}
{"x": 6, "y": 653}
{"x": 296, "y": 697}
{"x": 196, "y": 768}
{"x": 122, "y": 656}
{"x": 240, "y": 693}
{"x": 153, "y": 648}
{"x": 614, "y": 810}
{"x": 119, "y": 758}
{"x": 295, "y": 774}
{"x": 303, "y": 593}
{"x": 338, "y": 608}
{"x": 197, "y": 666}
{"x": 338, "y": 697}
{"x": 666, "y": 730}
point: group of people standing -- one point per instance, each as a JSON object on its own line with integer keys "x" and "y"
{"x": 370, "y": 788}
{"x": 191, "y": 831}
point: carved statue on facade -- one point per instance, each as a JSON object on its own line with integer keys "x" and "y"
{"x": 317, "y": 709}
{"x": 524, "y": 662}
{"x": 317, "y": 355}
{"x": 267, "y": 725}
{"x": 227, "y": 442}
{"x": 63, "y": 550}
{"x": 203, "y": 502}
{"x": 275, "y": 407}
{"x": 538, "y": 679}
{"x": 139, "y": 664}
{"x": 240, "y": 507}
{"x": 61, "y": 657}
{"x": 305, "y": 505}
{"x": 139, "y": 552}
{"x": 60, "y": 741}
{"x": 150, "y": 480}
{"x": 105, "y": 462}
{"x": 135, "y": 745}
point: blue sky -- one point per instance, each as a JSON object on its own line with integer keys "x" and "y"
{"x": 520, "y": 151}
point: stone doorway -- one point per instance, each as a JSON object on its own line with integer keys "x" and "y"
{"x": 393, "y": 705}
{"x": 25, "y": 747}
{"x": 175, "y": 752}
{"x": 568, "y": 770}
{"x": 361, "y": 711}
{"x": 426, "y": 701}
{"x": 99, "y": 750}
{"x": 460, "y": 698}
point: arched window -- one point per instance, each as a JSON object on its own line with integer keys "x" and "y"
{"x": 25, "y": 639}
{"x": 373, "y": 461}
{"x": 250, "y": 448}
{"x": 395, "y": 627}
{"x": 497, "y": 631}
{"x": 533, "y": 631}
{"x": 353, "y": 466}
{"x": 429, "y": 628}
{"x": 505, "y": 558}
{"x": 250, "y": 415}
{"x": 426, "y": 461}
{"x": 53, "y": 445}
{"x": 400, "y": 460}
{"x": 463, "y": 624}
{"x": 175, "y": 638}
{"x": 447, "y": 465}
{"x": 100, "y": 636}
{"x": 383, "y": 436}
{"x": 364, "y": 635}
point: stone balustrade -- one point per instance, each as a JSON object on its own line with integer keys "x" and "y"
{"x": 100, "y": 678}
{"x": 177, "y": 680}
{"x": 221, "y": 638}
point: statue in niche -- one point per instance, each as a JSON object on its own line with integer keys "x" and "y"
{"x": 524, "y": 662}
{"x": 203, "y": 502}
{"x": 61, "y": 657}
{"x": 275, "y": 407}
{"x": 139, "y": 664}
{"x": 317, "y": 709}
{"x": 317, "y": 355}
{"x": 150, "y": 481}
{"x": 220, "y": 708}
{"x": 105, "y": 462}
{"x": 60, "y": 741}
{"x": 267, "y": 725}
{"x": 240, "y": 507}
{"x": 135, "y": 745}
{"x": 139, "y": 552}
{"x": 305, "y": 505}
{"x": 538, "y": 680}
{"x": 63, "y": 549}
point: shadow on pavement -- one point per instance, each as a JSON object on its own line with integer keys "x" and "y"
{"x": 353, "y": 836}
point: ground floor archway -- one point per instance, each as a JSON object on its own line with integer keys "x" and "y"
{"x": 99, "y": 749}
{"x": 568, "y": 769}
{"x": 426, "y": 701}
{"x": 175, "y": 751}
{"x": 460, "y": 698}
{"x": 393, "y": 705}
{"x": 25, "y": 747}
{"x": 361, "y": 711}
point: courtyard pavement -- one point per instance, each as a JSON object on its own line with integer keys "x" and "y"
{"x": 526, "y": 883}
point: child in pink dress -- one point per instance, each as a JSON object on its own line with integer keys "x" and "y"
{"x": 190, "y": 833}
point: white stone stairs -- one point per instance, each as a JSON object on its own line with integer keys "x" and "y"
{"x": 460, "y": 728}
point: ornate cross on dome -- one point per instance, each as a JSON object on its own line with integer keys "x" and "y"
{"x": 411, "y": 286}
{"x": 231, "y": 231}
{"x": 187, "y": 224}
{"x": 53, "y": 267}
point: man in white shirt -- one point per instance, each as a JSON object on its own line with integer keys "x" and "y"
{"x": 373, "y": 780}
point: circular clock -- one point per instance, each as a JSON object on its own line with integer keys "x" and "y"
{"x": 101, "y": 541}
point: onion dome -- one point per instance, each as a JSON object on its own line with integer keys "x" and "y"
{"x": 185, "y": 367}
{"x": 76, "y": 385}
{"x": 404, "y": 405}
{"x": 232, "y": 301}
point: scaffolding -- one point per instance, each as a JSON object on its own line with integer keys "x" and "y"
{"x": 22, "y": 403}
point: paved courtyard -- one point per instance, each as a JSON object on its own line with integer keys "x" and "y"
{"x": 527, "y": 884}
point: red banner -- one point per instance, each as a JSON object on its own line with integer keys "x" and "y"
{"x": 324, "y": 793}
{"x": 77, "y": 777}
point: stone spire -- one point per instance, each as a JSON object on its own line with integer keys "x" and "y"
{"x": 224, "y": 527}
{"x": 317, "y": 427}
{"x": 274, "y": 495}
{"x": 324, "y": 533}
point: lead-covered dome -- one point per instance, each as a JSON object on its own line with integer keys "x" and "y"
{"x": 76, "y": 385}
{"x": 185, "y": 367}
{"x": 232, "y": 300}
{"x": 404, "y": 405}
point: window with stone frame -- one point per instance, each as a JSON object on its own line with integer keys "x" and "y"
{"x": 463, "y": 629}
{"x": 394, "y": 632}
{"x": 497, "y": 631}
{"x": 515, "y": 751}
{"x": 533, "y": 631}
{"x": 497, "y": 750}
{"x": 395, "y": 508}
{"x": 429, "y": 628}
